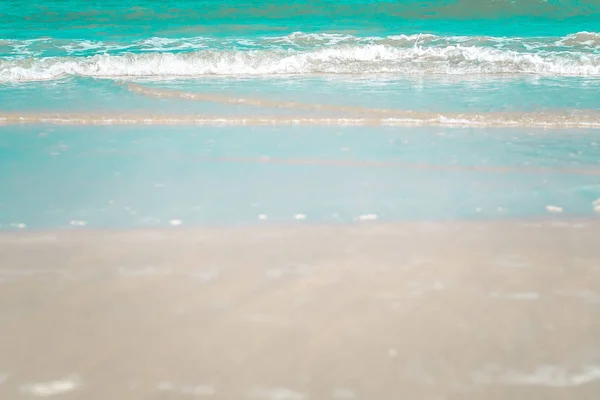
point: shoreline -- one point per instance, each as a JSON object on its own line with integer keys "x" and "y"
{"x": 406, "y": 118}
{"x": 550, "y": 220}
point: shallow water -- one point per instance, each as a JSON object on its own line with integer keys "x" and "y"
{"x": 463, "y": 109}
{"x": 103, "y": 176}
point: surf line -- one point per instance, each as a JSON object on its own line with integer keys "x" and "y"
{"x": 433, "y": 119}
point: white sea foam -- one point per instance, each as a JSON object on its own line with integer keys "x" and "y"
{"x": 278, "y": 393}
{"x": 44, "y": 389}
{"x": 516, "y": 296}
{"x": 356, "y": 59}
{"x": 584, "y": 41}
{"x": 193, "y": 390}
{"x": 543, "y": 375}
{"x": 554, "y": 209}
{"x": 596, "y": 205}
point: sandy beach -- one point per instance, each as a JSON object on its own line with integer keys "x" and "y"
{"x": 456, "y": 310}
{"x": 300, "y": 200}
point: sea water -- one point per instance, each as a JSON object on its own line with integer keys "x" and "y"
{"x": 297, "y": 111}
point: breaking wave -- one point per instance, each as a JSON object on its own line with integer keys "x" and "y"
{"x": 369, "y": 59}
{"x": 55, "y": 47}
{"x": 300, "y": 54}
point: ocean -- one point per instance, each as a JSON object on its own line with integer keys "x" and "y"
{"x": 200, "y": 112}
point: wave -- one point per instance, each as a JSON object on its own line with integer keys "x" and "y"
{"x": 300, "y": 53}
{"x": 367, "y": 117}
{"x": 585, "y": 39}
{"x": 345, "y": 59}
{"x": 54, "y": 47}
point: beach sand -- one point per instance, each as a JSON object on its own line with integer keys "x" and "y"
{"x": 377, "y": 311}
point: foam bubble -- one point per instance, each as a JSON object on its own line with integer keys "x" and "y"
{"x": 78, "y": 223}
{"x": 367, "y": 217}
{"x": 554, "y": 209}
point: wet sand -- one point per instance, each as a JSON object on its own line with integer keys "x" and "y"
{"x": 469, "y": 310}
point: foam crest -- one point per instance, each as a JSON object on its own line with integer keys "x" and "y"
{"x": 343, "y": 59}
{"x": 584, "y": 39}
{"x": 585, "y": 42}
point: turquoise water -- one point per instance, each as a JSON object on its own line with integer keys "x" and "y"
{"x": 504, "y": 93}
{"x": 128, "y": 176}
